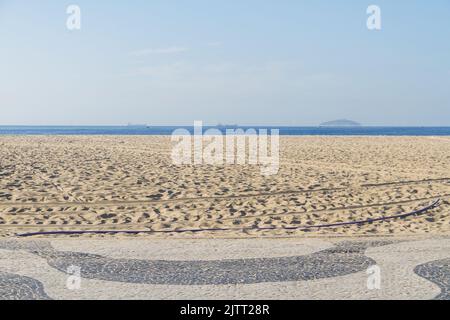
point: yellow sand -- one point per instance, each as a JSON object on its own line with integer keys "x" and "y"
{"x": 117, "y": 182}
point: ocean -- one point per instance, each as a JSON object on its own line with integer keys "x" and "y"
{"x": 167, "y": 130}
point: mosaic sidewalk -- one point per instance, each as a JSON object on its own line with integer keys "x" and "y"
{"x": 225, "y": 269}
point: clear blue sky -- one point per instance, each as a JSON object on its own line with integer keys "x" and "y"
{"x": 248, "y": 62}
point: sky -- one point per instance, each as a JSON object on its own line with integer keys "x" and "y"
{"x": 247, "y": 62}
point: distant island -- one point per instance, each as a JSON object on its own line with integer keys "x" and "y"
{"x": 341, "y": 123}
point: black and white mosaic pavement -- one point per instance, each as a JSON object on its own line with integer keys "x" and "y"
{"x": 16, "y": 287}
{"x": 39, "y": 269}
{"x": 343, "y": 259}
{"x": 437, "y": 272}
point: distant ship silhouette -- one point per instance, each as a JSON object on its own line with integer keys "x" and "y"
{"x": 137, "y": 125}
{"x": 227, "y": 126}
{"x": 340, "y": 123}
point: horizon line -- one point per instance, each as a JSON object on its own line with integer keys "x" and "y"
{"x": 223, "y": 125}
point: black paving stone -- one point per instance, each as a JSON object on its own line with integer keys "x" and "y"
{"x": 437, "y": 272}
{"x": 16, "y": 287}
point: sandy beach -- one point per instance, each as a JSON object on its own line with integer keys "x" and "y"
{"x": 51, "y": 183}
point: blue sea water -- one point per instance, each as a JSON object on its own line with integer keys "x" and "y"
{"x": 167, "y": 130}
